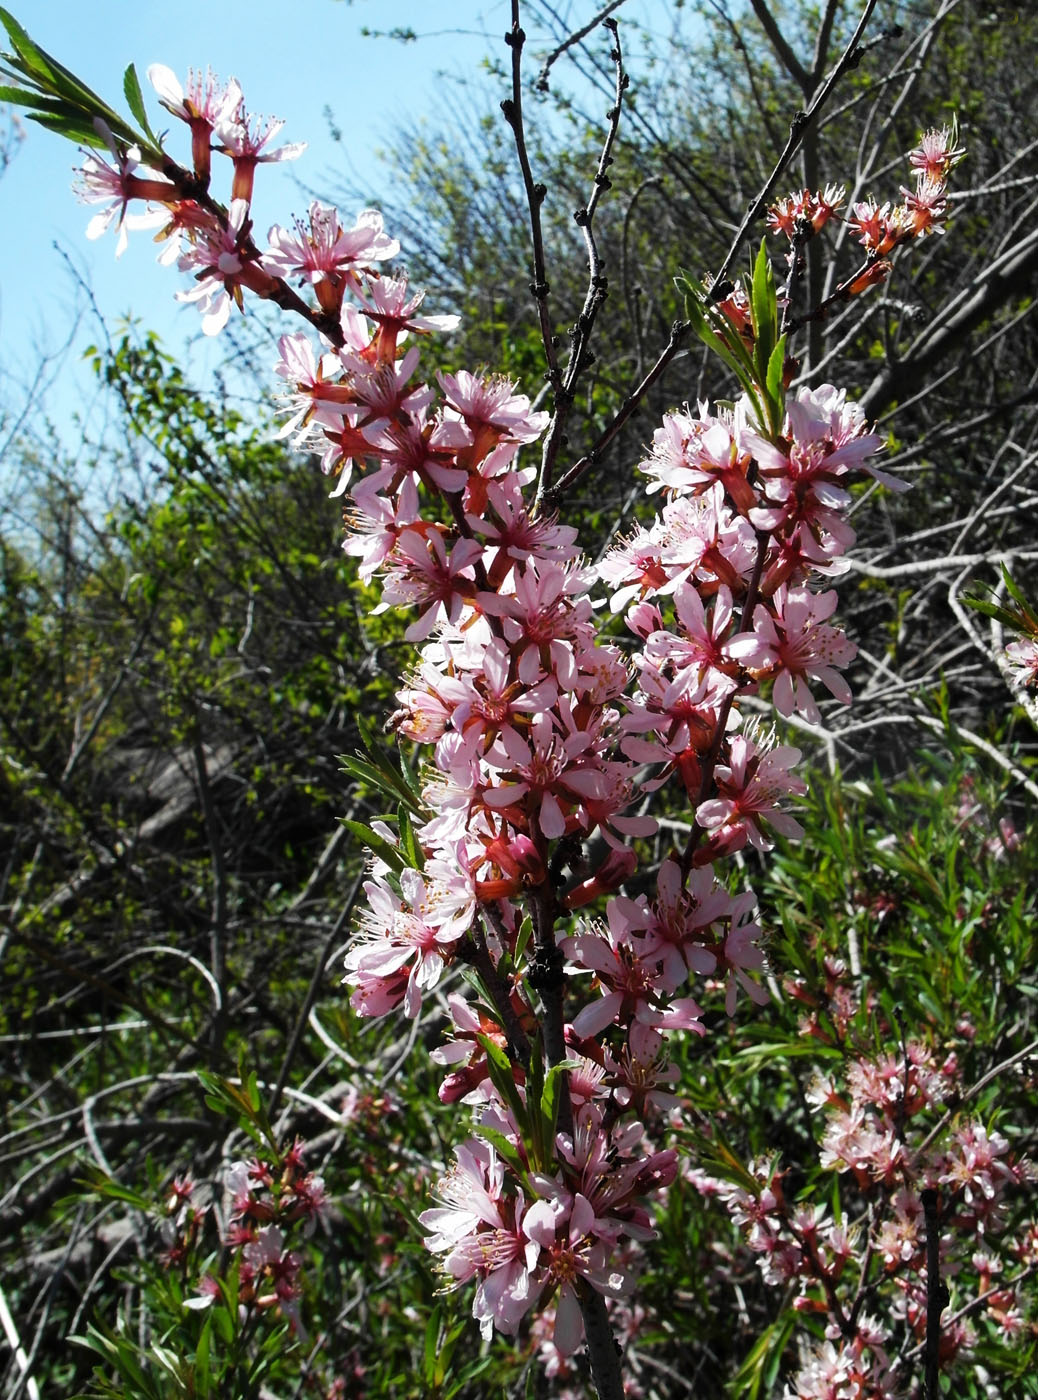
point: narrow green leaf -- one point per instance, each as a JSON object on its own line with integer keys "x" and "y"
{"x": 408, "y": 841}
{"x": 432, "y": 1339}
{"x": 377, "y": 845}
{"x": 383, "y": 779}
{"x": 73, "y": 128}
{"x": 522, "y": 940}
{"x": 506, "y": 1150}
{"x": 551, "y": 1096}
{"x": 776, "y": 394}
{"x": 202, "y": 1375}
{"x": 23, "y": 45}
{"x": 134, "y": 96}
{"x": 500, "y": 1070}
{"x": 764, "y": 311}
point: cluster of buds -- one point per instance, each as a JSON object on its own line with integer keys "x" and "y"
{"x": 879, "y": 227}
{"x": 883, "y": 1135}
{"x": 267, "y": 1204}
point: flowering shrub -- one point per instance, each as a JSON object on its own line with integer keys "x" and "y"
{"x": 545, "y": 731}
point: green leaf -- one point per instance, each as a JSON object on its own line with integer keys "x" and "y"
{"x": 105, "y": 1186}
{"x": 202, "y": 1375}
{"x": 134, "y": 96}
{"x": 432, "y": 1339}
{"x": 551, "y": 1096}
{"x": 522, "y": 940}
{"x": 499, "y": 1067}
{"x": 763, "y": 311}
{"x": 408, "y": 842}
{"x": 72, "y": 127}
{"x": 377, "y": 845}
{"x": 506, "y": 1150}
{"x": 774, "y": 390}
{"x": 382, "y": 779}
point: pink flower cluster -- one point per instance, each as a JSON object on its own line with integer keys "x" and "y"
{"x": 881, "y": 1137}
{"x": 879, "y": 227}
{"x": 545, "y": 739}
{"x": 267, "y": 1203}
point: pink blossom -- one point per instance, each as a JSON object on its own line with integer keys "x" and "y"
{"x": 324, "y": 249}
{"x": 936, "y": 154}
{"x": 403, "y": 943}
{"x": 755, "y": 778}
{"x": 792, "y": 643}
{"x": 244, "y": 138}
{"x": 114, "y": 186}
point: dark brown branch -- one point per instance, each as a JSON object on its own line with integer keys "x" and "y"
{"x": 571, "y": 40}
{"x": 678, "y": 335}
{"x": 513, "y": 113}
{"x": 580, "y": 356}
{"x": 801, "y": 122}
{"x": 602, "y": 1347}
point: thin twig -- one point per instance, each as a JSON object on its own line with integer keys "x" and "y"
{"x": 570, "y": 41}
{"x": 802, "y": 120}
{"x": 580, "y": 355}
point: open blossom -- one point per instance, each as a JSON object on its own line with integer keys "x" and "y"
{"x": 222, "y": 265}
{"x": 936, "y": 154}
{"x": 751, "y": 784}
{"x": 793, "y": 643}
{"x": 323, "y": 252}
{"x": 245, "y": 139}
{"x": 1023, "y": 661}
{"x": 815, "y": 208}
{"x": 203, "y": 104}
{"x": 115, "y": 185}
{"x": 403, "y": 943}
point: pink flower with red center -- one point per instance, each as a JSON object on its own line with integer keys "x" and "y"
{"x": 703, "y": 929}
{"x": 324, "y": 252}
{"x": 490, "y": 699}
{"x": 403, "y": 944}
{"x": 482, "y": 1234}
{"x": 420, "y": 573}
{"x": 576, "y": 1254}
{"x": 395, "y": 313}
{"x": 926, "y": 207}
{"x": 545, "y": 614}
{"x": 689, "y": 455}
{"x": 222, "y": 264}
{"x": 491, "y": 410}
{"x": 880, "y": 227}
{"x": 936, "y": 154}
{"x": 513, "y": 534}
{"x": 628, "y": 969}
{"x": 751, "y": 784}
{"x": 680, "y": 713}
{"x": 204, "y": 105}
{"x": 792, "y": 643}
{"x": 633, "y": 569}
{"x": 115, "y": 185}
{"x": 534, "y": 779}
{"x": 702, "y": 644}
{"x": 815, "y": 208}
{"x": 244, "y": 138}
